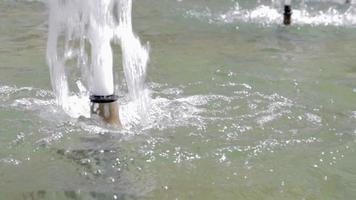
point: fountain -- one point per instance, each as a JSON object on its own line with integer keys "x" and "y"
{"x": 82, "y": 32}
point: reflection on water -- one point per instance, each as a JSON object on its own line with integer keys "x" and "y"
{"x": 254, "y": 112}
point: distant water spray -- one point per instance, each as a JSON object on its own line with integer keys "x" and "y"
{"x": 305, "y": 12}
{"x": 81, "y": 32}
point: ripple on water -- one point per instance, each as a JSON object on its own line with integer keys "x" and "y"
{"x": 236, "y": 133}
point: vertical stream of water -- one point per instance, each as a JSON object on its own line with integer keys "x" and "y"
{"x": 81, "y": 33}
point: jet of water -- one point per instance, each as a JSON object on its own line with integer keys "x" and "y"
{"x": 83, "y": 31}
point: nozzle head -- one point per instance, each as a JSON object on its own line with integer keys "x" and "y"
{"x": 287, "y": 15}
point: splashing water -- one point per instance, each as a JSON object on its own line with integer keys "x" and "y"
{"x": 269, "y": 14}
{"x": 81, "y": 33}
{"x": 267, "y": 112}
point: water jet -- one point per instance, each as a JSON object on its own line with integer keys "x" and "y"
{"x": 84, "y": 31}
{"x": 103, "y": 100}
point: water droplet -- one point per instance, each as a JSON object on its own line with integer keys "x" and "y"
{"x": 223, "y": 158}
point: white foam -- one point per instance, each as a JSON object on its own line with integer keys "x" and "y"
{"x": 272, "y": 14}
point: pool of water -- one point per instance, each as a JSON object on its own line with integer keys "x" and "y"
{"x": 242, "y": 107}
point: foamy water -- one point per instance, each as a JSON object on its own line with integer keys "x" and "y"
{"x": 273, "y": 14}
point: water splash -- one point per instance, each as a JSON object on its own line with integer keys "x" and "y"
{"x": 79, "y": 50}
{"x": 269, "y": 14}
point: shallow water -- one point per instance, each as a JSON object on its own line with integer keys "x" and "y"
{"x": 242, "y": 108}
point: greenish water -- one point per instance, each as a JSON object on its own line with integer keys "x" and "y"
{"x": 243, "y": 108}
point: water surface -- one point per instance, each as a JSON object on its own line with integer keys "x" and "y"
{"x": 242, "y": 108}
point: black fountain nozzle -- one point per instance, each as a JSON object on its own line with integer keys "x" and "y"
{"x": 287, "y": 20}
{"x": 103, "y": 99}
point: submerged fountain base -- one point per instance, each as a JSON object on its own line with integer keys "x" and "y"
{"x": 106, "y": 107}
